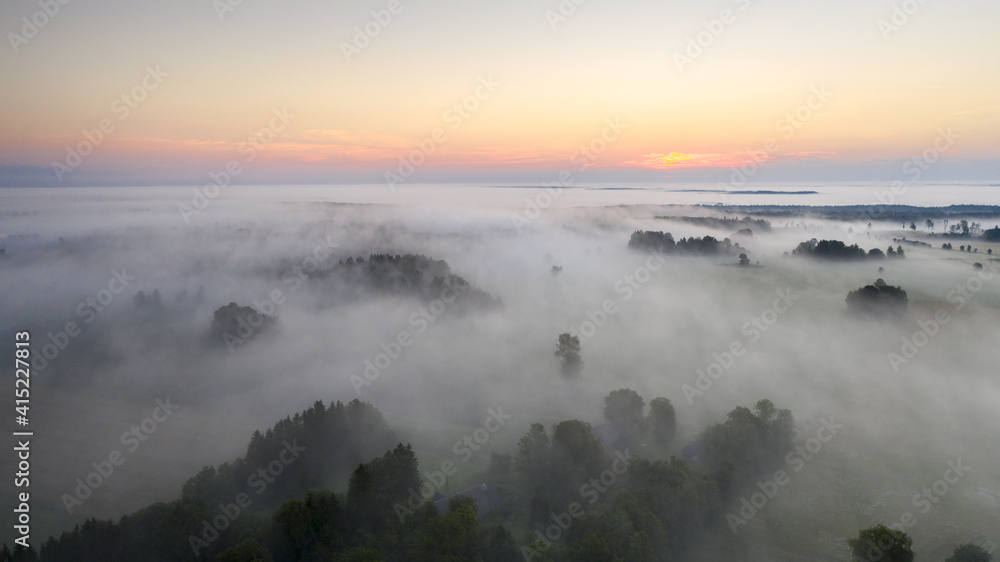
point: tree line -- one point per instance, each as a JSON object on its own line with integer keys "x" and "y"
{"x": 663, "y": 242}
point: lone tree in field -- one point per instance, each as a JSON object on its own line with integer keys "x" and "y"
{"x": 882, "y": 543}
{"x": 879, "y": 299}
{"x": 568, "y": 352}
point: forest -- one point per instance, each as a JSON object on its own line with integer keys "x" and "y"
{"x": 585, "y": 499}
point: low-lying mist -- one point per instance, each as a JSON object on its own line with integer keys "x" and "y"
{"x": 912, "y": 394}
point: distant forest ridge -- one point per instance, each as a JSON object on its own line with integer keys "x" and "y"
{"x": 863, "y": 212}
{"x": 723, "y": 223}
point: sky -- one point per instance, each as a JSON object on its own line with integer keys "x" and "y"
{"x": 410, "y": 91}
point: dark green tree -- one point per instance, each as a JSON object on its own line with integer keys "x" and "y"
{"x": 238, "y": 322}
{"x": 22, "y": 554}
{"x": 376, "y": 487}
{"x": 576, "y": 457}
{"x": 453, "y": 537}
{"x": 568, "y": 352}
{"x": 662, "y": 242}
{"x": 247, "y": 551}
{"x": 748, "y": 443}
{"x": 573, "y": 442}
{"x": 882, "y": 543}
{"x": 533, "y": 452}
{"x": 679, "y": 498}
{"x": 969, "y": 553}
{"x": 359, "y": 554}
{"x": 623, "y": 408}
{"x": 308, "y": 529}
{"x": 878, "y": 299}
{"x": 500, "y": 546}
{"x": 829, "y": 249}
{"x": 662, "y": 420}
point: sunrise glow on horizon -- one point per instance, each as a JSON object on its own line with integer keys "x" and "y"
{"x": 318, "y": 92}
